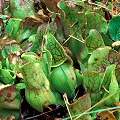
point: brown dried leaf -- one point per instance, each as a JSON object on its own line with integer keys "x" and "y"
{"x": 19, "y": 75}
{"x": 11, "y": 117}
{"x": 117, "y": 103}
{"x": 38, "y": 18}
{"x": 4, "y": 41}
{"x": 51, "y": 4}
{"x": 107, "y": 115}
{"x": 13, "y": 58}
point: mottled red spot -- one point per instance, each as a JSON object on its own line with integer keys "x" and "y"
{"x": 12, "y": 88}
{"x": 96, "y": 59}
{"x": 32, "y": 25}
{"x": 36, "y": 74}
{"x": 103, "y": 69}
{"x": 9, "y": 95}
{"x": 12, "y": 100}
{"x": 25, "y": 74}
{"x": 1, "y": 94}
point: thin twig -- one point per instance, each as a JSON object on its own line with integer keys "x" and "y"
{"x": 66, "y": 101}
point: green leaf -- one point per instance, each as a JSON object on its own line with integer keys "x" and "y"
{"x": 8, "y": 97}
{"x": 78, "y": 20}
{"x": 79, "y": 77}
{"x": 51, "y": 28}
{"x": 37, "y": 39}
{"x": 66, "y": 27}
{"x": 67, "y": 79}
{"x": 38, "y": 91}
{"x": 56, "y": 50}
{"x": 59, "y": 34}
{"x": 95, "y": 97}
{"x": 81, "y": 105}
{"x": 5, "y": 113}
{"x": 114, "y": 27}
{"x": 92, "y": 81}
{"x": 48, "y": 58}
{"x": 82, "y": 67}
{"x": 111, "y": 58}
{"x": 31, "y": 57}
{"x": 94, "y": 40}
{"x": 107, "y": 40}
{"x": 112, "y": 89}
{"x": 107, "y": 76}
{"x": 20, "y": 86}
{"x": 117, "y": 74}
{"x": 97, "y": 55}
{"x": 11, "y": 47}
{"x": 26, "y": 31}
{"x": 92, "y": 84}
{"x": 36, "y": 42}
{"x": 0, "y": 64}
{"x": 96, "y": 21}
{"x": 78, "y": 48}
{"x": 30, "y": 25}
{"x": 24, "y": 34}
{"x": 83, "y": 6}
{"x": 71, "y": 13}
{"x": 12, "y": 28}
{"x": 78, "y": 29}
{"x": 7, "y": 76}
{"x": 32, "y": 38}
{"x": 25, "y": 7}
